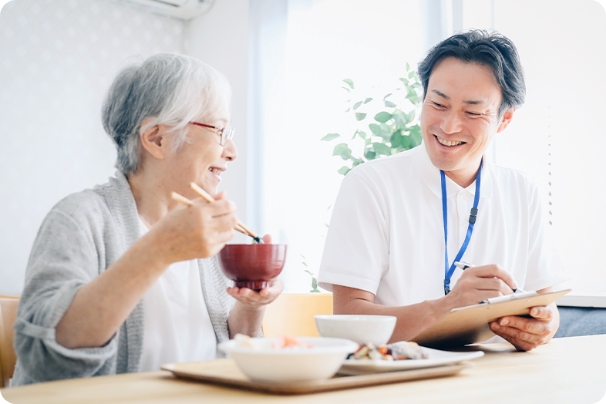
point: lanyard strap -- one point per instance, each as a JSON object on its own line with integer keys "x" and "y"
{"x": 472, "y": 220}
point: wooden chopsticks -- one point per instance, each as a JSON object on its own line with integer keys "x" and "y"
{"x": 180, "y": 198}
{"x": 241, "y": 227}
{"x": 209, "y": 198}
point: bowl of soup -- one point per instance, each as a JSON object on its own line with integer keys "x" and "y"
{"x": 252, "y": 266}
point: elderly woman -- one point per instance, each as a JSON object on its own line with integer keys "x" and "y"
{"x": 121, "y": 278}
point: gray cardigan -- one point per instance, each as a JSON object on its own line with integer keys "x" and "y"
{"x": 83, "y": 235}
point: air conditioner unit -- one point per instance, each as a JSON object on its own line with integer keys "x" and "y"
{"x": 182, "y": 9}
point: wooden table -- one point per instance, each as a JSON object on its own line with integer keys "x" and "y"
{"x": 567, "y": 370}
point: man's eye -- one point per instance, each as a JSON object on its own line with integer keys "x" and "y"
{"x": 437, "y": 105}
{"x": 473, "y": 113}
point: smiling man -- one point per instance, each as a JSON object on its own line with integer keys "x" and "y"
{"x": 400, "y": 223}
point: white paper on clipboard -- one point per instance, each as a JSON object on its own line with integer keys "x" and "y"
{"x": 507, "y": 298}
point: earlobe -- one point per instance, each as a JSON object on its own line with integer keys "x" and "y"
{"x": 506, "y": 119}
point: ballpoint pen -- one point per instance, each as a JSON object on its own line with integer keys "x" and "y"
{"x": 464, "y": 265}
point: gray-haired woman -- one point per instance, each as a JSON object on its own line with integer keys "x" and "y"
{"x": 122, "y": 279}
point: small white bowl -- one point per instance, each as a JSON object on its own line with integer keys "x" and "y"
{"x": 287, "y": 365}
{"x": 359, "y": 328}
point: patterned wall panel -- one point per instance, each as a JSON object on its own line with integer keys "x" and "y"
{"x": 57, "y": 59}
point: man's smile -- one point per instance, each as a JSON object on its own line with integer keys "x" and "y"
{"x": 448, "y": 143}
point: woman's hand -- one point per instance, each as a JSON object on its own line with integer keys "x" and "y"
{"x": 247, "y": 315}
{"x": 254, "y": 300}
{"x": 197, "y": 231}
{"x": 265, "y": 296}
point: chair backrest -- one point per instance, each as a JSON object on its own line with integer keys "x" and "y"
{"x": 8, "y": 359}
{"x": 293, "y": 314}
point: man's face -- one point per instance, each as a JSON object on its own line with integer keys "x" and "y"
{"x": 460, "y": 116}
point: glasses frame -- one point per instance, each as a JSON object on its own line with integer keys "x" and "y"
{"x": 225, "y": 134}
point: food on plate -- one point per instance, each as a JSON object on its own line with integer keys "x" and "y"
{"x": 289, "y": 342}
{"x": 244, "y": 341}
{"x": 397, "y": 351}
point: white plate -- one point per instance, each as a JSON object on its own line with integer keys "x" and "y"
{"x": 435, "y": 358}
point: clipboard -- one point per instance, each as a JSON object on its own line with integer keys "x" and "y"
{"x": 469, "y": 325}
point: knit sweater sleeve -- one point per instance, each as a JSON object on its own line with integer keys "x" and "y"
{"x": 64, "y": 257}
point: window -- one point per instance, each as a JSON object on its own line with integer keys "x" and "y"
{"x": 324, "y": 43}
{"x": 557, "y": 136}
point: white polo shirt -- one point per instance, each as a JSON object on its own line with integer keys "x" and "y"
{"x": 386, "y": 235}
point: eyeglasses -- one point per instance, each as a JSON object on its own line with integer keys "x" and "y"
{"x": 225, "y": 133}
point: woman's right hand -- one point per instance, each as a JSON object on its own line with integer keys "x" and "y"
{"x": 197, "y": 231}
{"x": 185, "y": 233}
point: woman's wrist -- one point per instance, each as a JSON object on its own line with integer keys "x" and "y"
{"x": 153, "y": 251}
{"x": 166, "y": 245}
{"x": 249, "y": 310}
{"x": 245, "y": 319}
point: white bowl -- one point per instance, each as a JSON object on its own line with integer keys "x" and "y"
{"x": 295, "y": 364}
{"x": 359, "y": 328}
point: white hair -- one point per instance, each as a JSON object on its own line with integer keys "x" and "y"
{"x": 172, "y": 89}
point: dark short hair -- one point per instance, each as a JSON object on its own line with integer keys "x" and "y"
{"x": 490, "y": 49}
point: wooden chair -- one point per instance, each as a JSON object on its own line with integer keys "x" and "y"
{"x": 293, "y": 314}
{"x": 8, "y": 359}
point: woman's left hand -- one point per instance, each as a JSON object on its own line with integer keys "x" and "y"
{"x": 265, "y": 296}
{"x": 254, "y": 299}
{"x": 247, "y": 315}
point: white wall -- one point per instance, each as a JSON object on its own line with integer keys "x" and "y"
{"x": 559, "y": 134}
{"x": 57, "y": 58}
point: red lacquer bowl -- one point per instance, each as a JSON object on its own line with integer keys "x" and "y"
{"x": 252, "y": 265}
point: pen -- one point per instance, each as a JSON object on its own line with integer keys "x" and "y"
{"x": 464, "y": 265}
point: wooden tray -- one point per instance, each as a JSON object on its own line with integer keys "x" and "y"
{"x": 224, "y": 372}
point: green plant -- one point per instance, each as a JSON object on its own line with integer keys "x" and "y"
{"x": 314, "y": 281}
{"x": 394, "y": 125}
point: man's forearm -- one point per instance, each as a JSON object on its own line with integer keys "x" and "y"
{"x": 411, "y": 320}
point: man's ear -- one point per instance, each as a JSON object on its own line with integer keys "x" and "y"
{"x": 506, "y": 119}
{"x": 153, "y": 139}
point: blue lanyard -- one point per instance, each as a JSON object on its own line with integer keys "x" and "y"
{"x": 472, "y": 220}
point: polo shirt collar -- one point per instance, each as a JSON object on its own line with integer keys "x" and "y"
{"x": 431, "y": 175}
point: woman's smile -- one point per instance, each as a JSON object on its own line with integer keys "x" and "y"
{"x": 216, "y": 173}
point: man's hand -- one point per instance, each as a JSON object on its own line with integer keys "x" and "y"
{"x": 528, "y": 333}
{"x": 480, "y": 283}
